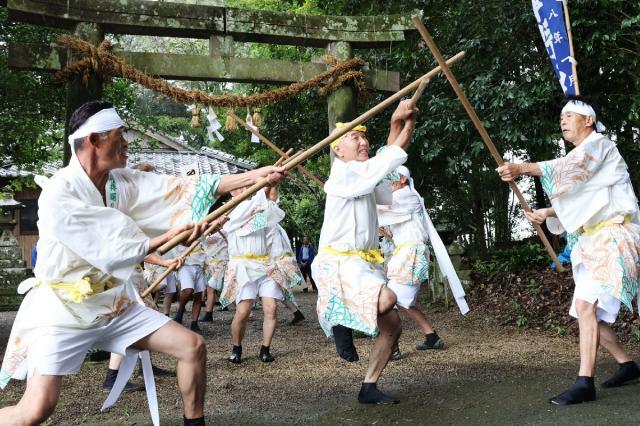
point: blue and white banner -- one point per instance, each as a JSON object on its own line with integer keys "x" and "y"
{"x": 550, "y": 17}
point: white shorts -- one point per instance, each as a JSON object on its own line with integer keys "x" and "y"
{"x": 170, "y": 281}
{"x": 192, "y": 276}
{"x": 592, "y": 292}
{"x": 264, "y": 287}
{"x": 57, "y": 352}
{"x": 406, "y": 294}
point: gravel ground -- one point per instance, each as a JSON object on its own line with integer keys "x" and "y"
{"x": 488, "y": 374}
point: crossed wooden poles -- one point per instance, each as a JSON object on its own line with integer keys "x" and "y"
{"x": 296, "y": 160}
{"x": 483, "y": 132}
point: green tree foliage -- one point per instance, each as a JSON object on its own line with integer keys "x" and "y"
{"x": 506, "y": 75}
{"x": 31, "y": 122}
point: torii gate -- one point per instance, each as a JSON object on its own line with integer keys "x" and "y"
{"x": 91, "y": 19}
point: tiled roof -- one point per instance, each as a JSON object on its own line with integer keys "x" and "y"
{"x": 173, "y": 162}
{"x": 12, "y": 171}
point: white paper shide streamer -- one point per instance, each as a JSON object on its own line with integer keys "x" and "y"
{"x": 214, "y": 126}
{"x": 249, "y": 121}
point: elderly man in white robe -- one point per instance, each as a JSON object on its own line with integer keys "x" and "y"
{"x": 591, "y": 195}
{"x": 97, "y": 221}
{"x": 347, "y": 269}
{"x": 250, "y": 272}
{"x": 408, "y": 267}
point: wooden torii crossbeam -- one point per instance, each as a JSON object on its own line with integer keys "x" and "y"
{"x": 223, "y": 26}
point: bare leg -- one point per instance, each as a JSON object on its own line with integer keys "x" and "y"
{"x": 114, "y": 361}
{"x": 37, "y": 403}
{"x": 211, "y": 299}
{"x": 419, "y": 318}
{"x": 184, "y": 298}
{"x": 588, "y": 325}
{"x": 196, "y": 306}
{"x": 270, "y": 311}
{"x": 239, "y": 323}
{"x": 189, "y": 349}
{"x": 290, "y": 306}
{"x": 583, "y": 390}
{"x": 168, "y": 300}
{"x": 156, "y": 298}
{"x": 610, "y": 341}
{"x": 389, "y": 325}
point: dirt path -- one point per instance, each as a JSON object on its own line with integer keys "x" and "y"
{"x": 487, "y": 375}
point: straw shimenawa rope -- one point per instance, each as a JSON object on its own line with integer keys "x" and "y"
{"x": 101, "y": 61}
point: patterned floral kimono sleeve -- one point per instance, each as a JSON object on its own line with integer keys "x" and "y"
{"x": 160, "y": 202}
{"x": 570, "y": 173}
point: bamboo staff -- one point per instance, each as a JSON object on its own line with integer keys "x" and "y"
{"x": 274, "y": 147}
{"x": 194, "y": 244}
{"x": 483, "y": 132}
{"x": 281, "y": 159}
{"x": 313, "y": 150}
{"x": 574, "y": 68}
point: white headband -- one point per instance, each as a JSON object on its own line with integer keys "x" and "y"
{"x": 585, "y": 109}
{"x": 100, "y": 122}
{"x": 402, "y": 170}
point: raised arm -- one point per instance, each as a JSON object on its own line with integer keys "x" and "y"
{"x": 403, "y": 122}
{"x": 240, "y": 180}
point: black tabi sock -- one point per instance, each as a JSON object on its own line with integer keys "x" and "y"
{"x": 432, "y": 338}
{"x": 237, "y": 349}
{"x": 584, "y": 381}
{"x": 627, "y": 371}
{"x": 369, "y": 394}
{"x": 111, "y": 375}
{"x": 583, "y": 390}
{"x": 343, "y": 337}
{"x": 264, "y": 348}
{"x": 194, "y": 422}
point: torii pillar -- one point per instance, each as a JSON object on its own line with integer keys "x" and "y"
{"x": 341, "y": 104}
{"x": 77, "y": 91}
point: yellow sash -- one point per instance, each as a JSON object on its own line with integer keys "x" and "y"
{"x": 591, "y": 230}
{"x": 79, "y": 290}
{"x": 252, "y": 256}
{"x": 371, "y": 256}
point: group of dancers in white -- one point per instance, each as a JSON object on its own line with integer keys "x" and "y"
{"x": 98, "y": 220}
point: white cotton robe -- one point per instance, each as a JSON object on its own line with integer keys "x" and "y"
{"x": 85, "y": 243}
{"x": 349, "y": 285}
{"x": 246, "y": 232}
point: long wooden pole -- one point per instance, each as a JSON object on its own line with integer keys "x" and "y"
{"x": 313, "y": 150}
{"x": 574, "y": 68}
{"x": 194, "y": 244}
{"x": 274, "y": 147}
{"x": 483, "y": 132}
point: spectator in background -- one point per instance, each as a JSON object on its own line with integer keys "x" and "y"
{"x": 305, "y": 255}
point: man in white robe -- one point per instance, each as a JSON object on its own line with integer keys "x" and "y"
{"x": 408, "y": 267}
{"x": 97, "y": 221}
{"x": 192, "y": 283}
{"x": 591, "y": 195}
{"x": 347, "y": 269}
{"x": 250, "y": 273}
